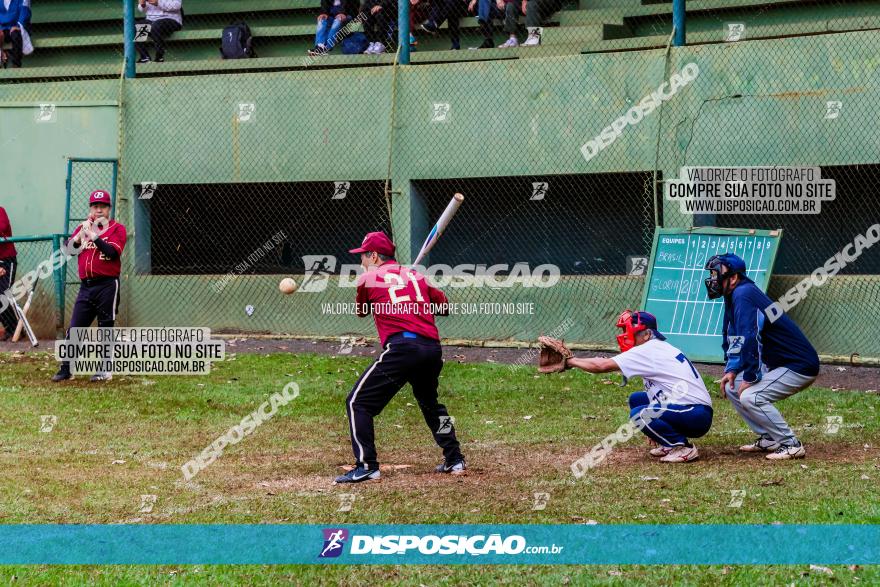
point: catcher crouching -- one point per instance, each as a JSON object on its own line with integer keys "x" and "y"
{"x": 675, "y": 405}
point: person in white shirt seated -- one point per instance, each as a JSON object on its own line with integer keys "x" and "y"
{"x": 164, "y": 17}
{"x": 675, "y": 406}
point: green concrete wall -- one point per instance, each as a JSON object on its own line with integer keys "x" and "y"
{"x": 516, "y": 117}
{"x": 33, "y": 166}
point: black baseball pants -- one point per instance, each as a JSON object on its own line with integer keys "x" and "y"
{"x": 97, "y": 298}
{"x": 8, "y": 317}
{"x": 406, "y": 358}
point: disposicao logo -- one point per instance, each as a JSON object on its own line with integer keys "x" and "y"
{"x": 334, "y": 541}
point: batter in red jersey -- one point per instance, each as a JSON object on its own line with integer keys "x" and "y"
{"x": 102, "y": 241}
{"x": 403, "y": 305}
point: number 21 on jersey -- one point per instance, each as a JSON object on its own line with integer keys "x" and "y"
{"x": 400, "y": 284}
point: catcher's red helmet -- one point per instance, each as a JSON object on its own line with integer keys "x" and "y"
{"x": 633, "y": 323}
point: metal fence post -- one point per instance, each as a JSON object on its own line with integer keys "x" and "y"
{"x": 403, "y": 31}
{"x": 59, "y": 278}
{"x": 678, "y": 23}
{"x": 128, "y": 37}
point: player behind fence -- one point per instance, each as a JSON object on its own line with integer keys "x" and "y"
{"x": 8, "y": 266}
{"x": 99, "y": 266}
{"x": 675, "y": 405}
{"x": 411, "y": 354}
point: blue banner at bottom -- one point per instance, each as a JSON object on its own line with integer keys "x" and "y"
{"x": 440, "y": 544}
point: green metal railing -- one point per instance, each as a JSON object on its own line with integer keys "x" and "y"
{"x": 29, "y": 259}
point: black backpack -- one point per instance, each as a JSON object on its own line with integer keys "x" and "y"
{"x": 237, "y": 42}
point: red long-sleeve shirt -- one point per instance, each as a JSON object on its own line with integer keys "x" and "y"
{"x": 92, "y": 262}
{"x": 7, "y": 250}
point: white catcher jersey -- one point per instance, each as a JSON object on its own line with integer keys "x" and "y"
{"x": 667, "y": 373}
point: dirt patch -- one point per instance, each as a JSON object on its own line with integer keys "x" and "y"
{"x": 490, "y": 468}
{"x": 825, "y": 453}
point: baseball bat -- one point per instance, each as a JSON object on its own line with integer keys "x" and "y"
{"x": 24, "y": 311}
{"x": 441, "y": 225}
{"x": 27, "y": 325}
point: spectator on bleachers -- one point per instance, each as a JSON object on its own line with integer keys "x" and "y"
{"x": 487, "y": 10}
{"x": 537, "y": 12}
{"x": 14, "y": 14}
{"x": 381, "y": 16}
{"x": 334, "y": 15}
{"x": 164, "y": 18}
{"x": 443, "y": 10}
{"x": 418, "y": 12}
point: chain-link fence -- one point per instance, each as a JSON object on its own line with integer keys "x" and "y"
{"x": 756, "y": 111}
{"x": 563, "y": 142}
{"x": 35, "y": 286}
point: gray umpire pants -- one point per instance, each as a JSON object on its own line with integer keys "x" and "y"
{"x": 756, "y": 404}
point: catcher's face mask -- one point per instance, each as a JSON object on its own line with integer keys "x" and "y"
{"x": 716, "y": 283}
{"x": 631, "y": 324}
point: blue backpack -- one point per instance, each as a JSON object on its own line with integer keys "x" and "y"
{"x": 355, "y": 44}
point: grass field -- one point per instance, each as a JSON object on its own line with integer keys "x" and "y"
{"x": 113, "y": 443}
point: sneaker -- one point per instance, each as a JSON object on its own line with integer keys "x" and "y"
{"x": 159, "y": 59}
{"x": 430, "y": 27}
{"x": 359, "y": 474}
{"x": 534, "y": 38}
{"x": 103, "y": 376}
{"x": 681, "y": 454}
{"x": 144, "y": 60}
{"x": 511, "y": 42}
{"x": 318, "y": 50}
{"x": 371, "y": 49}
{"x": 760, "y": 445}
{"x": 62, "y": 375}
{"x": 380, "y": 48}
{"x": 788, "y": 452}
{"x": 456, "y": 468}
{"x": 660, "y": 451}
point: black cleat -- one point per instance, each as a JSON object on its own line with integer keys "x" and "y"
{"x": 62, "y": 376}
{"x": 456, "y": 468}
{"x": 358, "y": 474}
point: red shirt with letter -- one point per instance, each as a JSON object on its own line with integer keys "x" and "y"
{"x": 94, "y": 263}
{"x": 400, "y": 300}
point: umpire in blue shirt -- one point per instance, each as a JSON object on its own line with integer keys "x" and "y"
{"x": 767, "y": 360}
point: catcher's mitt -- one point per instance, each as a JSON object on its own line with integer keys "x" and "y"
{"x": 554, "y": 355}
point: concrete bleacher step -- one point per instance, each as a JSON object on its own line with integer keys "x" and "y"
{"x": 97, "y": 10}
{"x": 753, "y": 32}
{"x": 284, "y": 29}
{"x": 304, "y": 33}
{"x": 296, "y": 63}
{"x": 178, "y": 37}
{"x": 695, "y": 9}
